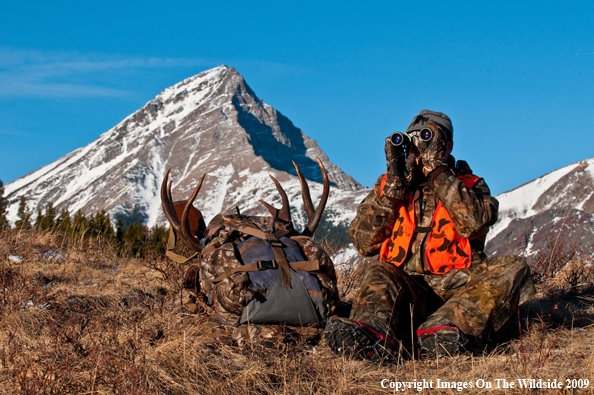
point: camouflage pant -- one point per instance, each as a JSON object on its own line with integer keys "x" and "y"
{"x": 478, "y": 300}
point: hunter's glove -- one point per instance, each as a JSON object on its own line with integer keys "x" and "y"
{"x": 395, "y": 159}
{"x": 434, "y": 155}
{"x": 397, "y": 175}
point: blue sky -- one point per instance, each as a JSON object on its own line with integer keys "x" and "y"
{"x": 517, "y": 78}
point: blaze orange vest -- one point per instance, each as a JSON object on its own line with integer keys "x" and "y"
{"x": 445, "y": 249}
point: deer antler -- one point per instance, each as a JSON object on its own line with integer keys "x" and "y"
{"x": 285, "y": 211}
{"x": 182, "y": 228}
{"x": 313, "y": 217}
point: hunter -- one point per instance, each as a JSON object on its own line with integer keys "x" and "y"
{"x": 428, "y": 280}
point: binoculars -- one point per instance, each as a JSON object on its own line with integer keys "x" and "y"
{"x": 404, "y": 139}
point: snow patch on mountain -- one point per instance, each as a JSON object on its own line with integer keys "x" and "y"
{"x": 149, "y": 190}
{"x": 519, "y": 202}
{"x": 218, "y": 193}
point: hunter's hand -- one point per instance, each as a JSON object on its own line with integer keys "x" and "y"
{"x": 411, "y": 163}
{"x": 398, "y": 173}
{"x": 395, "y": 159}
{"x": 434, "y": 155}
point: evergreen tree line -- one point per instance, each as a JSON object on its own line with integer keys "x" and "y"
{"x": 131, "y": 239}
{"x": 134, "y": 237}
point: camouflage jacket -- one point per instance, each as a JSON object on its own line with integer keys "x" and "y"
{"x": 473, "y": 211}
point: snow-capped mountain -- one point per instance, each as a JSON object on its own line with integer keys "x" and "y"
{"x": 560, "y": 202}
{"x": 211, "y": 123}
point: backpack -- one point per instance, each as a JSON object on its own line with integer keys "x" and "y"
{"x": 253, "y": 269}
{"x": 249, "y": 275}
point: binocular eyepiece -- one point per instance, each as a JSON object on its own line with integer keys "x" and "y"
{"x": 424, "y": 135}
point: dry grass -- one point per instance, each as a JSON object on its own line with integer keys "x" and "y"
{"x": 75, "y": 318}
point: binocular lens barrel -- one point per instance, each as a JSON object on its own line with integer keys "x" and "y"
{"x": 425, "y": 135}
{"x": 397, "y": 139}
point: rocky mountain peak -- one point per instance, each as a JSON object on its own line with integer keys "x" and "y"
{"x": 210, "y": 123}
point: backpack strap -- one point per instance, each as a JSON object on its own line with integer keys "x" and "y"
{"x": 276, "y": 246}
{"x": 171, "y": 245}
{"x": 253, "y": 232}
{"x": 307, "y": 266}
{"x": 191, "y": 302}
{"x": 253, "y": 243}
{"x": 209, "y": 248}
{"x": 298, "y": 237}
{"x": 248, "y": 230}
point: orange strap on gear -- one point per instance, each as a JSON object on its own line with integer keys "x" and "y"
{"x": 445, "y": 248}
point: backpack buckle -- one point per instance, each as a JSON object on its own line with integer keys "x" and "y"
{"x": 265, "y": 265}
{"x": 276, "y": 243}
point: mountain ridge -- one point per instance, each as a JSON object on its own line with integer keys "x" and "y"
{"x": 559, "y": 202}
{"x": 209, "y": 123}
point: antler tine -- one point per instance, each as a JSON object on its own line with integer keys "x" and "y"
{"x": 171, "y": 205}
{"x": 171, "y": 215}
{"x": 285, "y": 212}
{"x": 273, "y": 210}
{"x": 185, "y": 228}
{"x": 314, "y": 220}
{"x": 305, "y": 192}
{"x": 167, "y": 204}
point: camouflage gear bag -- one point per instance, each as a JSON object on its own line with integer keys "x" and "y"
{"x": 254, "y": 272}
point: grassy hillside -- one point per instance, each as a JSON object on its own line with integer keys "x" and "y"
{"x": 77, "y": 318}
